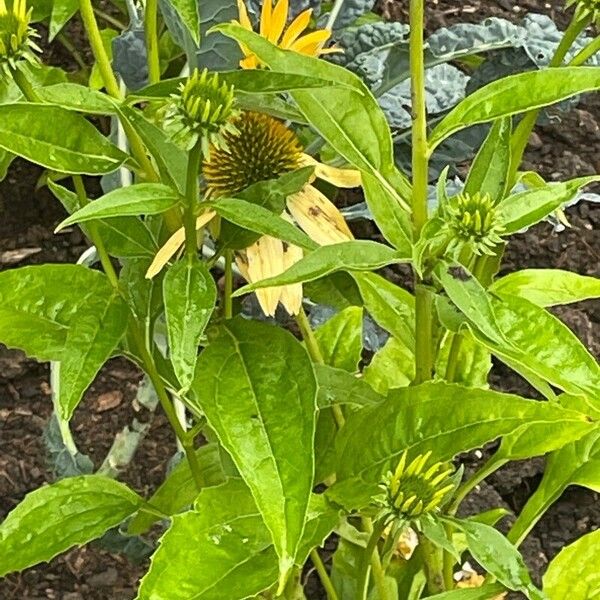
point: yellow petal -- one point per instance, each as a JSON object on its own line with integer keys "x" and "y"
{"x": 291, "y": 295}
{"x": 243, "y": 15}
{"x": 265, "y": 18}
{"x": 264, "y": 260}
{"x": 250, "y": 62}
{"x": 172, "y": 245}
{"x": 319, "y": 218}
{"x": 311, "y": 43}
{"x": 278, "y": 20}
{"x": 342, "y": 178}
{"x": 297, "y": 26}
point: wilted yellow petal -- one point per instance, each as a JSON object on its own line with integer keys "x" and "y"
{"x": 318, "y": 217}
{"x": 278, "y": 21}
{"x": 342, "y": 178}
{"x": 172, "y": 245}
{"x": 297, "y": 26}
{"x": 291, "y": 295}
{"x": 265, "y": 259}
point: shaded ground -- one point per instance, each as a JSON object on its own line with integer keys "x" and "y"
{"x": 27, "y": 219}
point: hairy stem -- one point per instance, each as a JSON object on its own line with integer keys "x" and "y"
{"x": 323, "y": 575}
{"x": 151, "y": 29}
{"x": 420, "y": 169}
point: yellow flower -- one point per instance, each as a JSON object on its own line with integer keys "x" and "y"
{"x": 262, "y": 148}
{"x": 273, "y": 19}
{"x": 16, "y": 36}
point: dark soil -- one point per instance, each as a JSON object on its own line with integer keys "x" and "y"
{"x": 27, "y": 220}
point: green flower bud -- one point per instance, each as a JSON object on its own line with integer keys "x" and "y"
{"x": 203, "y": 109}
{"x": 418, "y": 489}
{"x": 16, "y": 36}
{"x": 472, "y": 219}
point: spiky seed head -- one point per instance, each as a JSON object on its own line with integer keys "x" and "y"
{"x": 203, "y": 109}
{"x": 16, "y": 37}
{"x": 586, "y": 8}
{"x": 261, "y": 148}
{"x": 472, "y": 219}
{"x": 417, "y": 488}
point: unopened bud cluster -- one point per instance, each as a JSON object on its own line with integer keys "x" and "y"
{"x": 417, "y": 489}
{"x": 16, "y": 37}
{"x": 203, "y": 109}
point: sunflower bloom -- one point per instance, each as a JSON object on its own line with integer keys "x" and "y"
{"x": 259, "y": 148}
{"x": 273, "y": 20}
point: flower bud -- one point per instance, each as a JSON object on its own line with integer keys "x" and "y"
{"x": 16, "y": 36}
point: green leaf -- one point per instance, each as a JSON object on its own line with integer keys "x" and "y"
{"x": 527, "y": 208}
{"x": 358, "y": 255}
{"x": 341, "y": 387}
{"x": 170, "y": 159}
{"x": 190, "y": 296}
{"x": 516, "y": 94}
{"x": 392, "y": 307}
{"x": 577, "y": 463}
{"x": 262, "y": 369}
{"x": 349, "y": 118}
{"x": 64, "y": 313}
{"x": 179, "y": 489}
{"x": 392, "y": 367}
{"x": 490, "y": 590}
{"x": 124, "y": 237}
{"x": 341, "y": 339}
{"x": 62, "y": 11}
{"x": 338, "y": 290}
{"x": 261, "y": 220}
{"x": 219, "y": 550}
{"x": 188, "y": 11}
{"x": 542, "y": 345}
{"x": 574, "y": 573}
{"x": 133, "y": 200}
{"x": 74, "y": 147}
{"x": 498, "y": 557}
{"x": 473, "y": 364}
{"x": 490, "y": 169}
{"x": 79, "y": 98}
{"x": 444, "y": 418}
{"x": 548, "y": 287}
{"x": 472, "y": 299}
{"x": 57, "y": 517}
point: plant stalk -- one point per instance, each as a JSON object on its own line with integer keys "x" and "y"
{"x": 420, "y": 178}
{"x": 434, "y": 566}
{"x": 586, "y": 53}
{"x": 228, "y": 291}
{"x": 372, "y": 562}
{"x": 191, "y": 200}
{"x": 323, "y": 575}
{"x": 24, "y": 85}
{"x": 151, "y": 29}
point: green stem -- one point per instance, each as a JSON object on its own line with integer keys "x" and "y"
{"x": 522, "y": 133}
{"x": 151, "y": 28}
{"x": 110, "y": 19}
{"x": 312, "y": 345}
{"x": 586, "y": 53}
{"x": 70, "y": 46}
{"x": 228, "y": 291}
{"x": 96, "y": 239}
{"x": 420, "y": 169}
{"x": 434, "y": 565}
{"x": 371, "y": 563}
{"x": 24, "y": 85}
{"x": 191, "y": 197}
{"x": 91, "y": 26}
{"x": 323, "y": 575}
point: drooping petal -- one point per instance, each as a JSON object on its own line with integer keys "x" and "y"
{"x": 291, "y": 295}
{"x": 265, "y": 18}
{"x": 318, "y": 217}
{"x": 310, "y": 44}
{"x": 342, "y": 178}
{"x": 173, "y": 244}
{"x": 278, "y": 20}
{"x": 296, "y": 28}
{"x": 264, "y": 260}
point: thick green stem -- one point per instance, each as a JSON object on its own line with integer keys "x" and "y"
{"x": 522, "y": 133}
{"x": 151, "y": 29}
{"x": 24, "y": 85}
{"x": 434, "y": 566}
{"x": 191, "y": 201}
{"x": 312, "y": 345}
{"x": 96, "y": 239}
{"x": 91, "y": 26}
{"x": 228, "y": 290}
{"x": 420, "y": 178}
{"x": 372, "y": 562}
{"x": 323, "y": 575}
